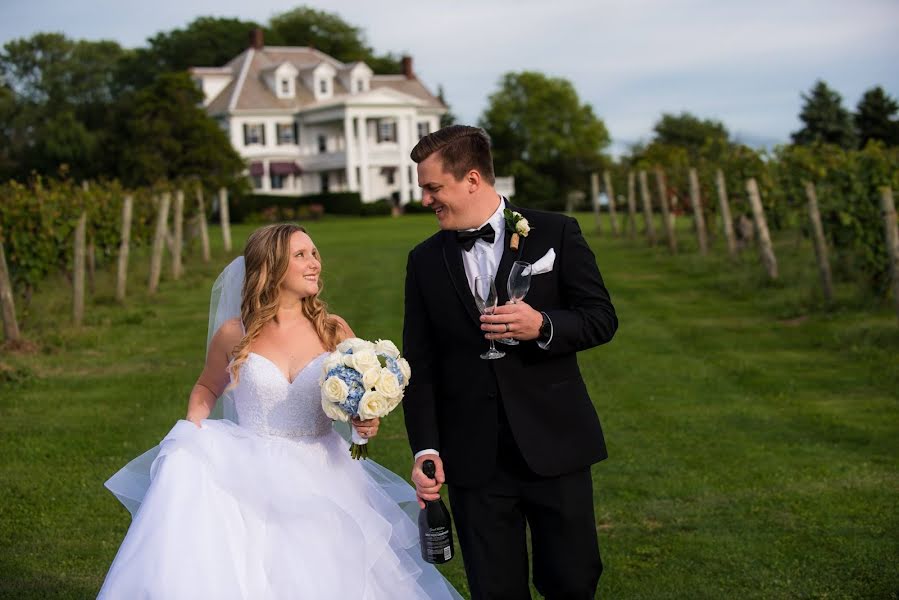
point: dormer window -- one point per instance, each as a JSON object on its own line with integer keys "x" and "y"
{"x": 356, "y": 78}
{"x": 319, "y": 80}
{"x": 281, "y": 80}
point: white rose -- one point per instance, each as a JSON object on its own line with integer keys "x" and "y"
{"x": 347, "y": 360}
{"x": 363, "y": 360}
{"x": 335, "y": 359}
{"x": 333, "y": 412}
{"x": 388, "y": 384}
{"x": 522, "y": 227}
{"x": 372, "y": 405}
{"x": 405, "y": 369}
{"x": 334, "y": 390}
{"x": 394, "y": 402}
{"x": 353, "y": 344}
{"x": 370, "y": 378}
{"x": 388, "y": 348}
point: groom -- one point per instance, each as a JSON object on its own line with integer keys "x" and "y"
{"x": 513, "y": 438}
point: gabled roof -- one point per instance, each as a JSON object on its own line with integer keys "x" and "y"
{"x": 248, "y": 91}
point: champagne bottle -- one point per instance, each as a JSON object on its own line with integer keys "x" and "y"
{"x": 435, "y": 526}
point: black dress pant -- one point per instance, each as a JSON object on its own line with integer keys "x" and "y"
{"x": 491, "y": 520}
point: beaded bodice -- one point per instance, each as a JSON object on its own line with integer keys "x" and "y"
{"x": 268, "y": 404}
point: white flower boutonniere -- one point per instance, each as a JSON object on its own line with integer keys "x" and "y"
{"x": 518, "y": 225}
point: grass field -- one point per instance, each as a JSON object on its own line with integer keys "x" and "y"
{"x": 753, "y": 435}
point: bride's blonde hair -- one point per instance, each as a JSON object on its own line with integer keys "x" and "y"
{"x": 266, "y": 258}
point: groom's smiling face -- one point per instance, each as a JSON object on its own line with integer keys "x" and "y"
{"x": 448, "y": 197}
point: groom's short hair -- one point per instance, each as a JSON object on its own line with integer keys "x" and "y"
{"x": 461, "y": 147}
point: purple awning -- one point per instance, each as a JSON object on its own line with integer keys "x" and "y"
{"x": 283, "y": 168}
{"x": 257, "y": 169}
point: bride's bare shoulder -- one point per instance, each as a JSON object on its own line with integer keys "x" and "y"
{"x": 343, "y": 328}
{"x": 229, "y": 334}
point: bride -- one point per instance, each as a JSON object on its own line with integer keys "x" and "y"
{"x": 267, "y": 502}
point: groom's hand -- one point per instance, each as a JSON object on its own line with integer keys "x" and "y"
{"x": 518, "y": 321}
{"x": 425, "y": 487}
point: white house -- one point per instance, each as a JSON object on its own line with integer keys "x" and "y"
{"x": 307, "y": 123}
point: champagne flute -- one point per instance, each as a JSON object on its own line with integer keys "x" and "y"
{"x": 517, "y": 285}
{"x": 485, "y": 298}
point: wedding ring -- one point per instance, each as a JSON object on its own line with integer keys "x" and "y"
{"x": 507, "y": 327}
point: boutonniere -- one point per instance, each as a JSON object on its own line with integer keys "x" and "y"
{"x": 517, "y": 224}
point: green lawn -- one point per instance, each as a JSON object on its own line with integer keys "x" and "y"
{"x": 753, "y": 435}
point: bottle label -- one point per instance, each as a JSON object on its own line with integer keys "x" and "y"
{"x": 438, "y": 543}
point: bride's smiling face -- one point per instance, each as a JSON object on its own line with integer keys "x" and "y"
{"x": 303, "y": 268}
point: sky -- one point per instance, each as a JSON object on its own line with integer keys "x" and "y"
{"x": 745, "y": 63}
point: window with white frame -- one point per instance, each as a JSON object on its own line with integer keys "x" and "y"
{"x": 386, "y": 131}
{"x": 323, "y": 86}
{"x": 360, "y": 85}
{"x": 322, "y": 144}
{"x": 278, "y": 181}
{"x": 424, "y": 128}
{"x": 285, "y": 87}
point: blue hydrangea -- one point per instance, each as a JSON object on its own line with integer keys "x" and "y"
{"x": 394, "y": 368}
{"x": 353, "y": 380}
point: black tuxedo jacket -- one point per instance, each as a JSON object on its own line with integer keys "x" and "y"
{"x": 451, "y": 402}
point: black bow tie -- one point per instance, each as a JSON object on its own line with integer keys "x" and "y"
{"x": 467, "y": 239}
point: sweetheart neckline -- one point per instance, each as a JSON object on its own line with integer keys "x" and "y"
{"x": 297, "y": 374}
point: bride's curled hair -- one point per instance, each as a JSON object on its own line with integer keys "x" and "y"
{"x": 266, "y": 258}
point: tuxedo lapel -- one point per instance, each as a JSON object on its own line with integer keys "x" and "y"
{"x": 505, "y": 264}
{"x": 505, "y": 267}
{"x": 452, "y": 257}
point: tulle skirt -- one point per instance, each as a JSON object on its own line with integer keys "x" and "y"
{"x": 223, "y": 513}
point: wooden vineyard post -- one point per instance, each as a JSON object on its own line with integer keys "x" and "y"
{"x": 204, "y": 228}
{"x": 594, "y": 194}
{"x": 178, "y": 235}
{"x": 613, "y": 212}
{"x": 78, "y": 275}
{"x": 7, "y": 303}
{"x": 124, "y": 249}
{"x": 820, "y": 244}
{"x": 225, "y": 219}
{"x": 726, "y": 218}
{"x": 888, "y": 208}
{"x": 758, "y": 213}
{"x": 631, "y": 206}
{"x": 698, "y": 219}
{"x": 647, "y": 209}
{"x": 162, "y": 217}
{"x": 667, "y": 221}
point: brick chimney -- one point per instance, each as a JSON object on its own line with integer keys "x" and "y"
{"x": 257, "y": 41}
{"x": 407, "y": 67}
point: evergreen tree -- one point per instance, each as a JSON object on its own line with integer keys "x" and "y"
{"x": 876, "y": 118}
{"x": 824, "y": 119}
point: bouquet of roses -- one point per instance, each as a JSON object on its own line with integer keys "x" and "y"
{"x": 365, "y": 380}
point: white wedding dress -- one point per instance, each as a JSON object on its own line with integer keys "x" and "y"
{"x": 272, "y": 508}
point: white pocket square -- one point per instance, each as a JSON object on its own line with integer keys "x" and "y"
{"x": 545, "y": 264}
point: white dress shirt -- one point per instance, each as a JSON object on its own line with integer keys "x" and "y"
{"x": 484, "y": 257}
